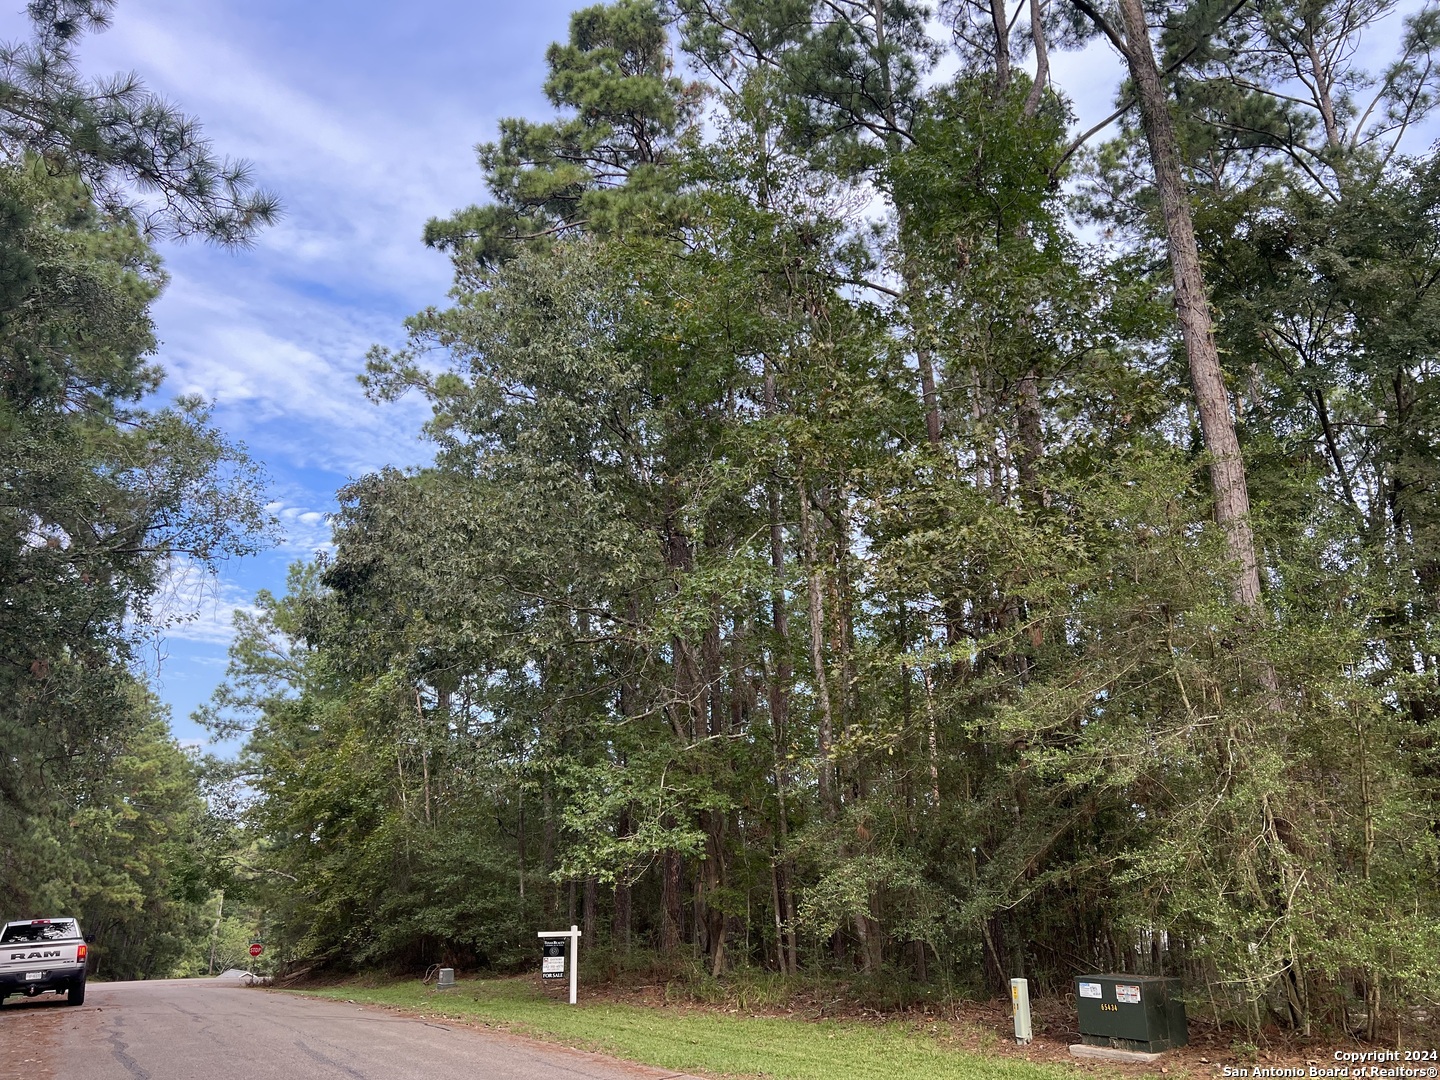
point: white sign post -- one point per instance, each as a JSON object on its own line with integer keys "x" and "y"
{"x": 574, "y": 935}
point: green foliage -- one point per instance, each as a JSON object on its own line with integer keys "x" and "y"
{"x": 103, "y": 497}
{"x": 119, "y": 844}
{"x": 144, "y": 161}
{"x": 848, "y": 77}
{"x": 597, "y": 168}
{"x": 818, "y": 571}
{"x": 100, "y": 500}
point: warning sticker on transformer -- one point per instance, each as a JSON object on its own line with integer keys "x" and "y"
{"x": 1127, "y": 995}
{"x": 1090, "y": 990}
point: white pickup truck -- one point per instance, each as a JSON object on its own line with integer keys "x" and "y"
{"x": 37, "y": 955}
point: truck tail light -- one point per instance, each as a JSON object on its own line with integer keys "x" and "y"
{"x": 82, "y": 952}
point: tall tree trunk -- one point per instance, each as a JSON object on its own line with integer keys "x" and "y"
{"x": 714, "y": 884}
{"x": 714, "y": 821}
{"x": 997, "y": 960}
{"x": 547, "y": 839}
{"x": 843, "y": 616}
{"x": 520, "y": 841}
{"x": 932, "y": 741}
{"x": 620, "y": 918}
{"x": 1037, "y": 89}
{"x": 590, "y": 910}
{"x": 893, "y": 143}
{"x": 698, "y": 927}
{"x": 1032, "y": 445}
{"x": 424, "y": 752}
{"x": 672, "y": 913}
{"x": 683, "y": 710}
{"x": 787, "y": 900}
{"x": 778, "y": 695}
{"x": 781, "y": 958}
{"x": 1192, "y": 305}
{"x": 215, "y": 933}
{"x": 929, "y": 395}
{"x": 1000, "y": 23}
{"x": 815, "y": 586}
{"x": 620, "y": 914}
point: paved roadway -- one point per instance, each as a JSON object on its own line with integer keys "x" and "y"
{"x": 204, "y": 1029}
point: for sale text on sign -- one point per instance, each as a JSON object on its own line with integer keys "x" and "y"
{"x": 552, "y": 963}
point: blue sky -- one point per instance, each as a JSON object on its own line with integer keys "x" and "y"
{"x": 363, "y": 116}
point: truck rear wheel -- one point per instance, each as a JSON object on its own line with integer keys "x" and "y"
{"x": 76, "y": 994}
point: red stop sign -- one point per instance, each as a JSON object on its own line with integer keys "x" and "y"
{"x": 256, "y": 948}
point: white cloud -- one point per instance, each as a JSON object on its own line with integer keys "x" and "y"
{"x": 359, "y": 172}
{"x": 362, "y": 117}
{"x": 307, "y": 530}
{"x": 276, "y": 335}
{"x": 194, "y": 604}
{"x": 283, "y": 375}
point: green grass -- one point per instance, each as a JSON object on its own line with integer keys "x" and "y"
{"x": 704, "y": 1041}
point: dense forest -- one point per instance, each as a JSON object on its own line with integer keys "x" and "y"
{"x": 875, "y": 526}
{"x": 102, "y": 814}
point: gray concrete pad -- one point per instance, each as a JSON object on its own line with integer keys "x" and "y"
{"x": 1109, "y": 1053}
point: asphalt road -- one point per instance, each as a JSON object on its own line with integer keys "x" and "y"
{"x": 203, "y": 1029}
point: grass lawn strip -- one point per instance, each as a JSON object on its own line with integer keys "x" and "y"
{"x": 707, "y": 1042}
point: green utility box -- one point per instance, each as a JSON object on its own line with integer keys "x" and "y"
{"x": 1131, "y": 1012}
